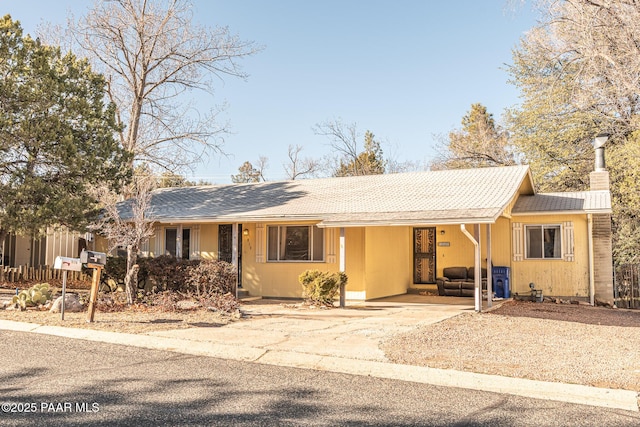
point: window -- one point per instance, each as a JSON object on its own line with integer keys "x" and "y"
{"x": 171, "y": 243}
{"x": 543, "y": 242}
{"x": 295, "y": 243}
{"x": 186, "y": 241}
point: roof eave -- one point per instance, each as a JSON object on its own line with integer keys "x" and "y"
{"x": 565, "y": 212}
{"x": 243, "y": 219}
{"x": 405, "y": 223}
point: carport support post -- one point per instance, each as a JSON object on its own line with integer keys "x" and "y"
{"x": 478, "y": 271}
{"x": 343, "y": 266}
{"x": 234, "y": 253}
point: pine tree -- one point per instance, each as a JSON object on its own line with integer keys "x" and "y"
{"x": 56, "y": 135}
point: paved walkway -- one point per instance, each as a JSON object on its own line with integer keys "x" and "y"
{"x": 340, "y": 340}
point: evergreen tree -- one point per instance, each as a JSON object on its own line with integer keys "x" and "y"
{"x": 479, "y": 143}
{"x": 247, "y": 173}
{"x": 56, "y": 135}
{"x": 368, "y": 162}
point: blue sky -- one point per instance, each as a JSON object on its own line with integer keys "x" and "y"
{"x": 405, "y": 70}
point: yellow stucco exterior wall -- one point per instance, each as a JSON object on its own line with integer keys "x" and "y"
{"x": 379, "y": 260}
{"x": 555, "y": 276}
{"x": 279, "y": 279}
{"x": 388, "y": 261}
{"x": 454, "y": 249}
{"x": 209, "y": 241}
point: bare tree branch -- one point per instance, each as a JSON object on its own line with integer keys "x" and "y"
{"x": 152, "y": 54}
{"x": 297, "y": 167}
{"x": 127, "y": 224}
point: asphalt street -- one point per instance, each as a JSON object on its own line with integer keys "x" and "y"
{"x": 66, "y": 382}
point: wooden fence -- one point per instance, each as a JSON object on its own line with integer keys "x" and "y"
{"x": 44, "y": 273}
{"x": 627, "y": 286}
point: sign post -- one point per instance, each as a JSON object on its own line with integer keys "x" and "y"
{"x": 66, "y": 264}
{"x": 94, "y": 294}
{"x": 95, "y": 260}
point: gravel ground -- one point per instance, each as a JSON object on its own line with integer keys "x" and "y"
{"x": 134, "y": 321}
{"x": 550, "y": 342}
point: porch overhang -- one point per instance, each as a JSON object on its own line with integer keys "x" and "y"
{"x": 421, "y": 218}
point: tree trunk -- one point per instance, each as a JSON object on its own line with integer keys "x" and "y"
{"x": 131, "y": 278}
{"x": 3, "y": 234}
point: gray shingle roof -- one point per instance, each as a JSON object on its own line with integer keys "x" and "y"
{"x": 570, "y": 202}
{"x": 436, "y": 197}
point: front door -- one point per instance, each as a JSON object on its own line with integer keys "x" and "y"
{"x": 225, "y": 246}
{"x": 424, "y": 255}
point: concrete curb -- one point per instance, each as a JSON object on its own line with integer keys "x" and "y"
{"x": 570, "y": 393}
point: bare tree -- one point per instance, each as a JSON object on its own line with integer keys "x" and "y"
{"x": 593, "y": 48}
{"x": 343, "y": 138}
{"x": 297, "y": 167}
{"x": 152, "y": 54}
{"x": 261, "y": 166}
{"x": 127, "y": 224}
{"x": 344, "y": 141}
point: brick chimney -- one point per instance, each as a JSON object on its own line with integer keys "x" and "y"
{"x": 601, "y": 230}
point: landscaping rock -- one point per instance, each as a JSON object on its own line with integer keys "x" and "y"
{"x": 187, "y": 305}
{"x": 72, "y": 304}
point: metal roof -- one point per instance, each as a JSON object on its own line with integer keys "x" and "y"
{"x": 433, "y": 197}
{"x": 564, "y": 203}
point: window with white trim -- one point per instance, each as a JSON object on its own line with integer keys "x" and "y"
{"x": 295, "y": 243}
{"x": 543, "y": 241}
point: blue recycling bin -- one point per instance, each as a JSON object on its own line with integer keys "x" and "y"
{"x": 500, "y": 281}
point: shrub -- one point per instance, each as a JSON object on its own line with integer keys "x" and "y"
{"x": 113, "y": 275}
{"x": 210, "y": 282}
{"x": 36, "y": 295}
{"x": 170, "y": 273}
{"x": 211, "y": 277}
{"x": 321, "y": 288}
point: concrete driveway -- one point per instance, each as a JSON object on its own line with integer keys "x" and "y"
{"x": 353, "y": 332}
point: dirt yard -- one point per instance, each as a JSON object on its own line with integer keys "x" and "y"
{"x": 568, "y": 343}
{"x": 571, "y": 313}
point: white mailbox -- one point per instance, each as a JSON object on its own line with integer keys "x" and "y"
{"x": 65, "y": 263}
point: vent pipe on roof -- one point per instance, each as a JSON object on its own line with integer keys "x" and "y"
{"x": 598, "y": 144}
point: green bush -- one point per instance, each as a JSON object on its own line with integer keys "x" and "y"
{"x": 321, "y": 287}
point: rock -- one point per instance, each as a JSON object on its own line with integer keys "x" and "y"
{"x": 72, "y": 304}
{"x": 187, "y": 305}
{"x": 150, "y": 285}
{"x": 608, "y": 304}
